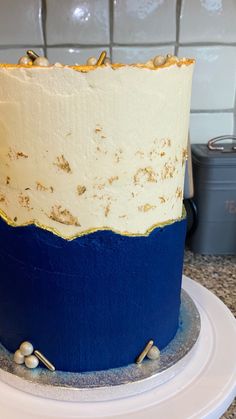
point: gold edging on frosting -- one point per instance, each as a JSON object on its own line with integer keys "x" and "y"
{"x": 11, "y": 223}
{"x": 115, "y": 66}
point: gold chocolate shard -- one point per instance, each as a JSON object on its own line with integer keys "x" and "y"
{"x": 81, "y": 189}
{"x": 102, "y": 57}
{"x": 44, "y": 360}
{"x": 63, "y": 216}
{"x": 62, "y": 164}
{"x": 143, "y": 354}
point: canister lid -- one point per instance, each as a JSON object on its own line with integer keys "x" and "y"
{"x": 215, "y": 154}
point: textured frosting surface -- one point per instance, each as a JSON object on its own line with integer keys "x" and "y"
{"x": 95, "y": 150}
{"x": 91, "y": 303}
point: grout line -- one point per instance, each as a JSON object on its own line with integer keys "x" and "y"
{"x": 79, "y": 46}
{"x": 207, "y": 44}
{"x": 111, "y": 26}
{"x": 195, "y": 111}
{"x": 145, "y": 44}
{"x": 176, "y": 44}
{"x": 44, "y": 17}
{"x": 76, "y": 46}
{"x": 28, "y": 46}
{"x": 234, "y": 122}
{"x": 178, "y": 13}
{"x": 138, "y": 45}
{"x": 112, "y": 44}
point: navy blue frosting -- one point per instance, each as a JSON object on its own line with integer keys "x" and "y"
{"x": 91, "y": 303}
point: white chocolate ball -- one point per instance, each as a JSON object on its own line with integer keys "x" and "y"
{"x": 41, "y": 62}
{"x": 172, "y": 58}
{"x": 107, "y": 61}
{"x": 25, "y": 60}
{"x": 59, "y": 65}
{"x": 159, "y": 60}
{"x": 153, "y": 353}
{"x": 31, "y": 361}
{"x": 18, "y": 357}
{"x": 149, "y": 64}
{"x": 26, "y": 348}
{"x": 91, "y": 61}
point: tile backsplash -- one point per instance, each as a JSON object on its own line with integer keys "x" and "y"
{"x": 138, "y": 21}
{"x": 77, "y": 22}
{"x": 70, "y": 31}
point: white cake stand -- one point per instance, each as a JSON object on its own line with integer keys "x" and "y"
{"x": 203, "y": 389}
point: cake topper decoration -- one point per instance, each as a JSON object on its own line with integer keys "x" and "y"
{"x": 26, "y": 348}
{"x": 25, "y": 60}
{"x": 19, "y": 357}
{"x": 32, "y": 55}
{"x": 44, "y": 360}
{"x": 107, "y": 61}
{"x": 32, "y": 58}
{"x": 30, "y": 357}
{"x": 159, "y": 60}
{"x": 103, "y": 59}
{"x": 151, "y": 351}
{"x": 31, "y": 361}
{"x": 91, "y": 61}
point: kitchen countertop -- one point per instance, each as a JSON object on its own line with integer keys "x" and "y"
{"x": 218, "y": 274}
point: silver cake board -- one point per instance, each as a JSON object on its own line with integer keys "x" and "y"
{"x": 114, "y": 383}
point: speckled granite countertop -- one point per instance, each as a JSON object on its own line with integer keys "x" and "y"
{"x": 218, "y": 274}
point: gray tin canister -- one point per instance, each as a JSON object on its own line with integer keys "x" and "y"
{"x": 214, "y": 174}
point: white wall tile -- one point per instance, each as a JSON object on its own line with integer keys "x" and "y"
{"x": 204, "y": 126}
{"x": 208, "y": 21}
{"x": 144, "y": 21}
{"x": 20, "y": 22}
{"x": 214, "y": 78}
{"x": 73, "y": 55}
{"x": 12, "y": 55}
{"x": 77, "y": 22}
{"x": 131, "y": 55}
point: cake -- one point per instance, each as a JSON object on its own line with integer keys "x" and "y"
{"x": 92, "y": 227}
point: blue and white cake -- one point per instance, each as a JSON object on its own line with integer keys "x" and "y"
{"x": 91, "y": 228}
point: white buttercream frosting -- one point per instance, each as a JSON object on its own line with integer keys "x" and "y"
{"x": 83, "y": 151}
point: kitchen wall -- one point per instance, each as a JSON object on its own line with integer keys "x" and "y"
{"x": 69, "y": 31}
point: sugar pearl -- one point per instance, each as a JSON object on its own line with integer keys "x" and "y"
{"x": 172, "y": 58}
{"x": 159, "y": 60}
{"x": 59, "y": 65}
{"x": 107, "y": 61}
{"x": 91, "y": 61}
{"x": 153, "y": 353}
{"x": 26, "y": 348}
{"x": 19, "y": 357}
{"x": 31, "y": 361}
{"x": 149, "y": 64}
{"x": 41, "y": 62}
{"x": 25, "y": 60}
